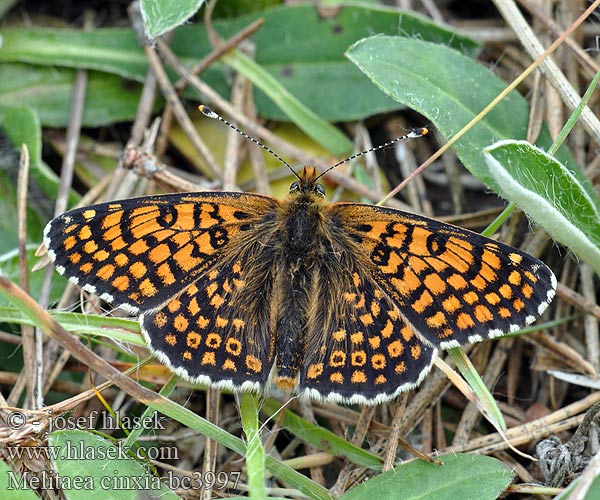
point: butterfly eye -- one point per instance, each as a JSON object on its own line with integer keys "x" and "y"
{"x": 320, "y": 190}
{"x": 294, "y": 187}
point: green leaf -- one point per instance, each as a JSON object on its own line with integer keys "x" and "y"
{"x": 12, "y": 482}
{"x": 449, "y": 89}
{"x": 161, "y": 16}
{"x": 550, "y": 194}
{"x": 463, "y": 476}
{"x": 49, "y": 91}
{"x": 91, "y": 467}
{"x": 297, "y": 45}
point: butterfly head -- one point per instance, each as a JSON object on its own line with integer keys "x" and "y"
{"x": 307, "y": 183}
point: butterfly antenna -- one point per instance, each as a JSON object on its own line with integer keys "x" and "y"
{"x": 413, "y": 134}
{"x": 206, "y": 111}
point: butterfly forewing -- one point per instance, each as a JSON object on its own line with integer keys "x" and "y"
{"x": 137, "y": 253}
{"x": 452, "y": 285}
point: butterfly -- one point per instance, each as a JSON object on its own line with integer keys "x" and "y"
{"x": 341, "y": 302}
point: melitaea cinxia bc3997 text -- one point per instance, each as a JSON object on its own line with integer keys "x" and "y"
{"x": 340, "y": 301}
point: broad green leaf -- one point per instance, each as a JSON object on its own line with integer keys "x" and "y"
{"x": 91, "y": 467}
{"x": 298, "y": 45}
{"x": 161, "y": 16}
{"x": 550, "y": 194}
{"x": 49, "y": 91}
{"x": 468, "y": 477}
{"x": 15, "y": 486}
{"x": 449, "y": 89}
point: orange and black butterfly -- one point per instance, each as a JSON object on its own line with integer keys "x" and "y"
{"x": 342, "y": 302}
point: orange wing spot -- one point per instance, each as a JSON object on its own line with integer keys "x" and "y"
{"x": 314, "y": 371}
{"x": 361, "y": 302}
{"x": 137, "y": 247}
{"x": 84, "y": 233}
{"x": 378, "y": 361}
{"x": 515, "y": 257}
{"x": 211, "y": 289}
{"x": 518, "y": 304}
{"x": 504, "y": 312}
{"x": 400, "y": 367}
{"x": 165, "y": 274}
{"x": 174, "y": 305}
{"x": 339, "y": 336}
{"x": 253, "y": 364}
{"x": 436, "y": 264}
{"x": 375, "y": 308}
{"x": 336, "y": 378}
{"x": 455, "y": 262}
{"x": 239, "y": 283}
{"x": 492, "y": 298}
{"x": 105, "y": 272}
{"x": 395, "y": 349}
{"x": 74, "y": 258}
{"x": 138, "y": 269}
{"x": 171, "y": 339}
{"x": 121, "y": 259}
{"x": 358, "y": 358}
{"x": 380, "y": 379}
{"x": 357, "y": 338}
{"x": 285, "y": 383}
{"x": 415, "y": 351}
{"x": 471, "y": 298}
{"x": 451, "y": 304}
{"x": 229, "y": 365}
{"x": 86, "y": 267}
{"x": 238, "y": 323}
{"x": 192, "y": 290}
{"x": 90, "y": 246}
{"x": 193, "y": 340}
{"x": 406, "y": 333}
{"x": 180, "y": 323}
{"x": 147, "y": 288}
{"x": 69, "y": 242}
{"x": 111, "y": 233}
{"x": 417, "y": 264}
{"x": 488, "y": 273}
{"x": 418, "y": 242}
{"x": 221, "y": 322}
{"x": 437, "y": 320}
{"x": 356, "y": 279}
{"x": 159, "y": 253}
{"x": 530, "y": 276}
{"x": 160, "y": 319}
{"x": 457, "y": 282}
{"x": 387, "y": 330}
{"x": 185, "y": 260}
{"x": 527, "y": 291}
{"x": 435, "y": 284}
{"x": 202, "y": 322}
{"x": 478, "y": 282}
{"x": 374, "y": 342}
{"x": 217, "y": 301}
{"x": 349, "y": 297}
{"x": 366, "y": 319}
{"x": 337, "y": 359}
{"x": 491, "y": 259}
{"x": 464, "y": 321}
{"x": 208, "y": 358}
{"x": 119, "y": 244}
{"x": 193, "y": 307}
{"x": 237, "y": 267}
{"x": 457, "y": 244}
{"x": 213, "y": 340}
{"x": 112, "y": 219}
{"x": 514, "y": 278}
{"x": 101, "y": 256}
{"x": 213, "y": 274}
{"x": 423, "y": 302}
{"x": 226, "y": 286}
{"x": 358, "y": 377}
{"x": 233, "y": 347}
{"x": 483, "y": 314}
{"x": 70, "y": 229}
{"x": 378, "y": 294}
{"x": 447, "y": 332}
{"x": 506, "y": 291}
{"x": 410, "y": 282}
{"x": 121, "y": 283}
{"x": 187, "y": 355}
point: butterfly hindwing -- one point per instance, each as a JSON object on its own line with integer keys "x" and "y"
{"x": 452, "y": 285}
